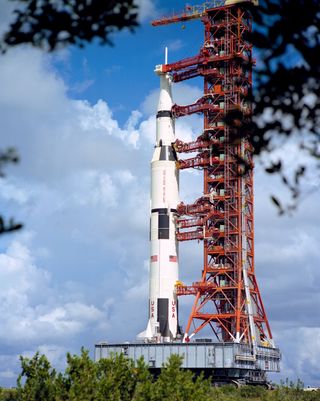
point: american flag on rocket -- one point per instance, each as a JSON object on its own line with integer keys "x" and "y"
{"x": 173, "y": 258}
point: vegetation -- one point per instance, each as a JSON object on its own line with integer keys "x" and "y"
{"x": 8, "y": 394}
{"x": 8, "y": 156}
{"x": 51, "y": 24}
{"x": 286, "y": 90}
{"x": 119, "y": 379}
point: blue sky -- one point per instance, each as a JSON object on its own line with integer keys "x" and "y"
{"x": 122, "y": 72}
{"x": 83, "y": 122}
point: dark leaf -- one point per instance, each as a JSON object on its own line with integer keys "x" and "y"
{"x": 51, "y": 24}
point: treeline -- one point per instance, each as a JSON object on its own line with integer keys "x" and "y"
{"x": 119, "y": 379}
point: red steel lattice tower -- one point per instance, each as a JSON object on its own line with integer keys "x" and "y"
{"x": 227, "y": 297}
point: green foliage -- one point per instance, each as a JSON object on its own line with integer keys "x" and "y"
{"x": 252, "y": 392}
{"x": 287, "y": 84}
{"x": 225, "y": 393}
{"x": 285, "y": 392}
{"x": 175, "y": 384}
{"x": 8, "y": 156}
{"x": 290, "y": 391}
{"x": 8, "y": 394}
{"x": 39, "y": 378}
{"x": 51, "y": 24}
{"x": 120, "y": 379}
{"x": 113, "y": 379}
{"x": 80, "y": 379}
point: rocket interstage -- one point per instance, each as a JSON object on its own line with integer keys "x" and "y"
{"x": 163, "y": 309}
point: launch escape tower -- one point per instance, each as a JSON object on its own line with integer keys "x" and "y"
{"x": 227, "y": 298}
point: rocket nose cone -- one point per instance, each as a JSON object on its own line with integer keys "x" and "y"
{"x": 165, "y": 98}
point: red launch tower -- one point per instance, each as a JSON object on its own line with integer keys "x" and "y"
{"x": 227, "y": 297}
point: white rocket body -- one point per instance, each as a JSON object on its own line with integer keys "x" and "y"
{"x": 163, "y": 309}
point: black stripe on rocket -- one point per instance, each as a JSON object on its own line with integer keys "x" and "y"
{"x": 164, "y": 113}
{"x": 167, "y": 153}
{"x": 163, "y": 226}
{"x": 163, "y": 223}
{"x": 163, "y": 315}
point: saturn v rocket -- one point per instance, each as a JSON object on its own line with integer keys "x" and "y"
{"x": 163, "y": 309}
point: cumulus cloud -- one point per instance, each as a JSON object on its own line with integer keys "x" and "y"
{"x": 147, "y": 9}
{"x": 94, "y": 188}
{"x": 50, "y": 124}
{"x": 82, "y": 86}
{"x": 31, "y": 309}
{"x": 303, "y": 363}
{"x": 8, "y": 374}
{"x": 175, "y": 45}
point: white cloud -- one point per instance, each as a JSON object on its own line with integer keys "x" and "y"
{"x": 82, "y": 86}
{"x": 36, "y": 69}
{"x": 7, "y": 374}
{"x": 139, "y": 289}
{"x": 13, "y": 192}
{"x": 94, "y": 188}
{"x": 125, "y": 177}
{"x": 19, "y": 276}
{"x": 70, "y": 318}
{"x": 147, "y": 9}
{"x": 147, "y": 129}
{"x": 31, "y": 308}
{"x": 299, "y": 246}
{"x": 99, "y": 118}
{"x": 303, "y": 363}
{"x": 175, "y": 45}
